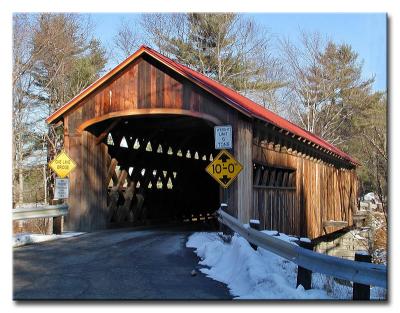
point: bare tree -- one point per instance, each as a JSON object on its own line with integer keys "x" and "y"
{"x": 325, "y": 85}
{"x": 24, "y": 114}
{"x": 126, "y": 41}
{"x": 227, "y": 47}
{"x": 161, "y": 27}
{"x": 54, "y": 57}
{"x": 72, "y": 60}
{"x": 370, "y": 147}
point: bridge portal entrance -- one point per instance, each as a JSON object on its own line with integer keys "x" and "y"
{"x": 156, "y": 169}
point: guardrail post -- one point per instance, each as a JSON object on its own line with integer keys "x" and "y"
{"x": 304, "y": 276}
{"x": 57, "y": 225}
{"x": 226, "y": 231}
{"x": 255, "y": 224}
{"x": 360, "y": 291}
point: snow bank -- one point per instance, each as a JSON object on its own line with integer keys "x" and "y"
{"x": 249, "y": 274}
{"x": 28, "y": 238}
{"x": 261, "y": 274}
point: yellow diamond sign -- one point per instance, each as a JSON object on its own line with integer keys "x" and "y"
{"x": 62, "y": 164}
{"x": 224, "y": 168}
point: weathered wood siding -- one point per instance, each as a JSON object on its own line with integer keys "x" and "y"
{"x": 147, "y": 87}
{"x": 322, "y": 192}
{"x": 88, "y": 193}
{"x": 144, "y": 87}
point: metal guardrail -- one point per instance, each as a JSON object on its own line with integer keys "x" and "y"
{"x": 360, "y": 272}
{"x": 40, "y": 212}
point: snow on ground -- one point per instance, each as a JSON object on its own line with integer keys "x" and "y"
{"x": 260, "y": 274}
{"x": 28, "y": 238}
{"x": 249, "y": 274}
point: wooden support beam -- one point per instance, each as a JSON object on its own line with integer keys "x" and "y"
{"x": 58, "y": 225}
{"x": 123, "y": 210}
{"x": 111, "y": 172}
{"x": 121, "y": 179}
{"x": 334, "y": 223}
{"x": 105, "y": 133}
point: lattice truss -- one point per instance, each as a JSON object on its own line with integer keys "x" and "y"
{"x": 142, "y": 171}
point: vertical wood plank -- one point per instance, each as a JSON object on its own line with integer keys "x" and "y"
{"x": 243, "y": 134}
{"x": 153, "y": 87}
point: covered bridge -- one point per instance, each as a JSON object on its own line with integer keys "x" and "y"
{"x": 146, "y": 127}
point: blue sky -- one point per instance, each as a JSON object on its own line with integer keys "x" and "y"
{"x": 365, "y": 32}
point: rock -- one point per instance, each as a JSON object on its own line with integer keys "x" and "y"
{"x": 193, "y": 273}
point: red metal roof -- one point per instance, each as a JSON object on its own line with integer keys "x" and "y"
{"x": 250, "y": 106}
{"x": 230, "y": 96}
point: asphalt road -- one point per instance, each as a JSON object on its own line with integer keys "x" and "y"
{"x": 114, "y": 264}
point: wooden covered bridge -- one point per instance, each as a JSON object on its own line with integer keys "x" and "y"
{"x": 142, "y": 136}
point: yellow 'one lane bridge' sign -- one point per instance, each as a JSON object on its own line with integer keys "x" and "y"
{"x": 62, "y": 164}
{"x": 224, "y": 168}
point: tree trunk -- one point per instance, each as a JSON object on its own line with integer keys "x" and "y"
{"x": 20, "y": 186}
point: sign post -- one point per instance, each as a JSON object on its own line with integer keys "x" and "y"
{"x": 223, "y": 140}
{"x": 224, "y": 169}
{"x": 62, "y": 165}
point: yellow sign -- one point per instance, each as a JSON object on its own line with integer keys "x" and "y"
{"x": 224, "y": 168}
{"x": 62, "y": 164}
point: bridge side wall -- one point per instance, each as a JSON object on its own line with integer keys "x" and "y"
{"x": 320, "y": 192}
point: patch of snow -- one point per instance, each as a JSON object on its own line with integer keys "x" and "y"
{"x": 369, "y": 196}
{"x": 271, "y": 232}
{"x": 254, "y": 222}
{"x": 249, "y": 274}
{"x": 28, "y": 238}
{"x": 380, "y": 255}
{"x": 355, "y": 234}
{"x": 305, "y": 239}
{"x": 343, "y": 290}
{"x": 361, "y": 252}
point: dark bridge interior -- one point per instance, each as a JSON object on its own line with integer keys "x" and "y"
{"x": 161, "y": 159}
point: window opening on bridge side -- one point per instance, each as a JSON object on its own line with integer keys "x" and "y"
{"x": 273, "y": 177}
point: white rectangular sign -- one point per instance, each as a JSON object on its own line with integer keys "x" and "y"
{"x": 62, "y": 188}
{"x": 223, "y": 137}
